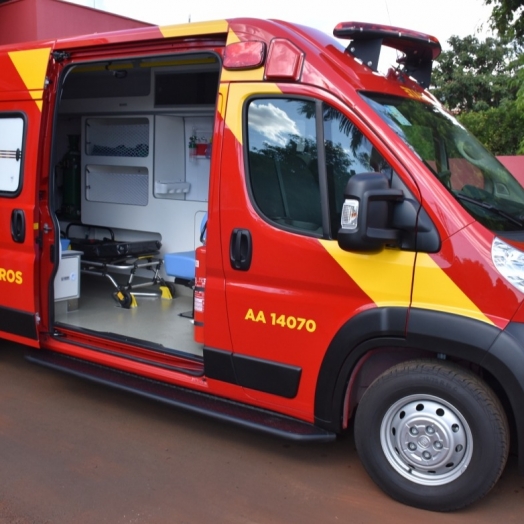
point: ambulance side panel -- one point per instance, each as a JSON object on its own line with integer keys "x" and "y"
{"x": 21, "y": 91}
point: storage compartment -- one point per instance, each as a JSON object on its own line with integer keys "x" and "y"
{"x": 117, "y": 137}
{"x": 67, "y": 279}
{"x": 117, "y": 184}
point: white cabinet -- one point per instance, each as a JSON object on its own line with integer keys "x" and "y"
{"x": 116, "y": 160}
{"x": 67, "y": 279}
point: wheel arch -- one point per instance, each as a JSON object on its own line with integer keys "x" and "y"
{"x": 403, "y": 334}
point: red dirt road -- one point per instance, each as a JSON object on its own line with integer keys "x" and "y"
{"x": 76, "y": 452}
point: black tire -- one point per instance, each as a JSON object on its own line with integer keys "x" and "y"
{"x": 171, "y": 287}
{"x": 124, "y": 299}
{"x": 432, "y": 435}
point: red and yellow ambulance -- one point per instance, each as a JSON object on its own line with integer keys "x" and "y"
{"x": 246, "y": 219}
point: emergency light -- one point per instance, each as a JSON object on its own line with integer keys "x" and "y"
{"x": 244, "y": 55}
{"x": 284, "y": 59}
{"x": 419, "y": 49}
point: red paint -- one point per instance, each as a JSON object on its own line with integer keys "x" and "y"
{"x": 254, "y": 312}
{"x": 515, "y": 165}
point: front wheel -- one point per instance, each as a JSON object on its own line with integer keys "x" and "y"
{"x": 432, "y": 435}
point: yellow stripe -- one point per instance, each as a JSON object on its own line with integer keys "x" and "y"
{"x": 248, "y": 75}
{"x": 197, "y": 28}
{"x": 237, "y": 95}
{"x": 232, "y": 37}
{"x": 385, "y": 277}
{"x": 435, "y": 290}
{"x": 32, "y": 66}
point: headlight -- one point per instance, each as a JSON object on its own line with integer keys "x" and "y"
{"x": 509, "y": 263}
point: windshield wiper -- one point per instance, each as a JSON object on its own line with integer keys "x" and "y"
{"x": 489, "y": 207}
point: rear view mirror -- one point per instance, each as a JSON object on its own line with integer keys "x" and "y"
{"x": 366, "y": 223}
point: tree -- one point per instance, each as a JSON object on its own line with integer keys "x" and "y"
{"x": 500, "y": 129}
{"x": 507, "y": 17}
{"x": 479, "y": 81}
{"x": 474, "y": 75}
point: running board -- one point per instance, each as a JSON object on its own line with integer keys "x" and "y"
{"x": 215, "y": 407}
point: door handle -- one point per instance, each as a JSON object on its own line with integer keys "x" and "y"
{"x": 240, "y": 249}
{"x": 18, "y": 225}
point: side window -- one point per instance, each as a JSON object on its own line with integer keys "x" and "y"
{"x": 11, "y": 150}
{"x": 348, "y": 152}
{"x": 283, "y": 162}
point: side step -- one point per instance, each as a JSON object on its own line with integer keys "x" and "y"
{"x": 215, "y": 407}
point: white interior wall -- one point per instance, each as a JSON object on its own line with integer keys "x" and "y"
{"x": 177, "y": 220}
{"x": 173, "y": 216}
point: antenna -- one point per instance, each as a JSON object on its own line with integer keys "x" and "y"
{"x": 397, "y": 52}
{"x": 387, "y": 9}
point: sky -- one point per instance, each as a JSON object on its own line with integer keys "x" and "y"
{"x": 440, "y": 18}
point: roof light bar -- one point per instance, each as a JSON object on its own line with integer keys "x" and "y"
{"x": 419, "y": 49}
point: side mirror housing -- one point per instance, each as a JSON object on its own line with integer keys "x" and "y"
{"x": 367, "y": 213}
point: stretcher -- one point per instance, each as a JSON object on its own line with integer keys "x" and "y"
{"x": 107, "y": 257}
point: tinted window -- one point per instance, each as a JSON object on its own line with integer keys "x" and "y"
{"x": 348, "y": 152}
{"x": 283, "y": 162}
{"x": 467, "y": 170}
{"x": 174, "y": 89}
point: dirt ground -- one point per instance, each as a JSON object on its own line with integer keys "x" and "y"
{"x": 76, "y": 452}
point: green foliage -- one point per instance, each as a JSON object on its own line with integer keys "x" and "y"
{"x": 507, "y": 17}
{"x": 474, "y": 75}
{"x": 482, "y": 82}
{"x": 500, "y": 129}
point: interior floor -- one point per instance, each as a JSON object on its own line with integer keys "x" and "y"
{"x": 155, "y": 320}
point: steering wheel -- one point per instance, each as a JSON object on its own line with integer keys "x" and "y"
{"x": 470, "y": 151}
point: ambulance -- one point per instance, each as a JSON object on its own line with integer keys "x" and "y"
{"x": 247, "y": 219}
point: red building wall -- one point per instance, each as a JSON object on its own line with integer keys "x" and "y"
{"x": 515, "y": 165}
{"x": 27, "y": 20}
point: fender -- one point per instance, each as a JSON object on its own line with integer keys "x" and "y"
{"x": 380, "y": 326}
{"x": 499, "y": 352}
{"x": 505, "y": 361}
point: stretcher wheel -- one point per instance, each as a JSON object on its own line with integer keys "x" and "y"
{"x": 125, "y": 299}
{"x": 171, "y": 287}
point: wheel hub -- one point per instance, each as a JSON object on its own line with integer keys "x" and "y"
{"x": 426, "y": 439}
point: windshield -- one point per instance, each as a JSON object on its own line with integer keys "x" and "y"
{"x": 481, "y": 184}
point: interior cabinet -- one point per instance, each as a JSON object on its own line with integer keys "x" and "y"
{"x": 117, "y": 160}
